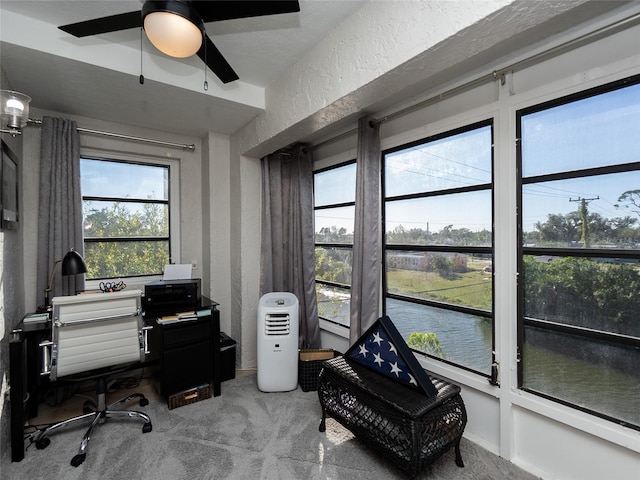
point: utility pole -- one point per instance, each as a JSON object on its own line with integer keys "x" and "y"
{"x": 584, "y": 218}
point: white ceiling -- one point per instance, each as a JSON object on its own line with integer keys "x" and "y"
{"x": 97, "y": 77}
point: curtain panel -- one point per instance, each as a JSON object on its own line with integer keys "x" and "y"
{"x": 366, "y": 271}
{"x": 287, "y": 249}
{"x": 60, "y": 204}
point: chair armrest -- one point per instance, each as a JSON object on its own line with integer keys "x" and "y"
{"x": 144, "y": 339}
{"x": 46, "y": 357}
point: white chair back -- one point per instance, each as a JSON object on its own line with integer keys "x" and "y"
{"x": 94, "y": 331}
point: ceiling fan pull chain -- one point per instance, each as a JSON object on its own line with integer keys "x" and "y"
{"x": 141, "y": 76}
{"x": 206, "y": 84}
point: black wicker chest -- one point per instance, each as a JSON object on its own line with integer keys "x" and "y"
{"x": 409, "y": 428}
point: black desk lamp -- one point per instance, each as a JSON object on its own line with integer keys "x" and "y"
{"x": 72, "y": 264}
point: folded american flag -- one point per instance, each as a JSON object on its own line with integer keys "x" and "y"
{"x": 382, "y": 349}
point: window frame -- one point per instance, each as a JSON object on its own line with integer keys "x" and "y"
{"x": 548, "y": 326}
{"x": 346, "y": 246}
{"x": 173, "y": 203}
{"x": 492, "y": 376}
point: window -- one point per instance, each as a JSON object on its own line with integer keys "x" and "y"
{"x": 438, "y": 272}
{"x": 125, "y": 218}
{"x": 579, "y": 335}
{"x": 334, "y": 205}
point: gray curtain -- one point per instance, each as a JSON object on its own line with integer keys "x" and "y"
{"x": 60, "y": 204}
{"x": 287, "y": 256}
{"x": 366, "y": 271}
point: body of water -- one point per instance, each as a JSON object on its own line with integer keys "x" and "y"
{"x": 465, "y": 339}
{"x": 551, "y": 369}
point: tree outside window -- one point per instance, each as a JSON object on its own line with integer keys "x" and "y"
{"x": 125, "y": 218}
{"x": 579, "y": 337}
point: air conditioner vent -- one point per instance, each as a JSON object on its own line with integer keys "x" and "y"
{"x": 277, "y": 324}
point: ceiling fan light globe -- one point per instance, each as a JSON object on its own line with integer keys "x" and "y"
{"x": 173, "y": 34}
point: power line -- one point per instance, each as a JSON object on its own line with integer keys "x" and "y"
{"x": 580, "y": 199}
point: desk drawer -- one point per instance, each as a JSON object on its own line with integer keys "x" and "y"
{"x": 186, "y": 367}
{"x": 186, "y": 332}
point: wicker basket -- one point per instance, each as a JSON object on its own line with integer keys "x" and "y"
{"x": 407, "y": 427}
{"x": 188, "y": 397}
{"x": 309, "y": 366}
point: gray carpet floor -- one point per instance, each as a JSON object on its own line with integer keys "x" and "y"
{"x": 242, "y": 434}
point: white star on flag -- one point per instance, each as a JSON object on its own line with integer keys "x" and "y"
{"x": 377, "y": 338}
{"x": 363, "y": 350}
{"x": 378, "y": 358}
{"x": 392, "y": 348}
{"x": 395, "y": 369}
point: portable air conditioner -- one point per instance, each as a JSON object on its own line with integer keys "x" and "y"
{"x": 278, "y": 342}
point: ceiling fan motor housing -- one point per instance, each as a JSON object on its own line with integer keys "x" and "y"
{"x": 173, "y": 27}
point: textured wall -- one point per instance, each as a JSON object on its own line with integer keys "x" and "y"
{"x": 11, "y": 296}
{"x": 390, "y": 50}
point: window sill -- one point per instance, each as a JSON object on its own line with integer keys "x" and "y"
{"x": 598, "y": 427}
{"x": 334, "y": 328}
{"x": 132, "y": 283}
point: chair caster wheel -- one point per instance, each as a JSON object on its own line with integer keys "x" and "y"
{"x": 147, "y": 428}
{"x": 43, "y": 443}
{"x": 144, "y": 402}
{"x": 78, "y": 459}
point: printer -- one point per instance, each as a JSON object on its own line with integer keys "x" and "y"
{"x": 172, "y": 295}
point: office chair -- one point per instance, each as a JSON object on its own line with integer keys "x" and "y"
{"x": 97, "y": 333}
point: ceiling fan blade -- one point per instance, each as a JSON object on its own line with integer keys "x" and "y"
{"x": 213, "y": 11}
{"x": 114, "y": 23}
{"x": 212, "y": 57}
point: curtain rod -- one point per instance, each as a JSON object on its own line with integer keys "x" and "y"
{"x": 498, "y": 74}
{"x": 183, "y": 146}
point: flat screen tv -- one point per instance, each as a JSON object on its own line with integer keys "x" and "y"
{"x": 9, "y": 185}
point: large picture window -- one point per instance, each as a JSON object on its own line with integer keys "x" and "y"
{"x": 438, "y": 270}
{"x": 579, "y": 222}
{"x": 334, "y": 205}
{"x": 125, "y": 218}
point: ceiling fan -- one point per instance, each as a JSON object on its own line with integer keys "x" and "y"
{"x": 176, "y": 27}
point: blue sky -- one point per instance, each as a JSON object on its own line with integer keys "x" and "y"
{"x": 124, "y": 180}
{"x": 595, "y": 132}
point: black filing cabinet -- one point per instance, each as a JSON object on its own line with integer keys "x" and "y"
{"x": 189, "y": 352}
{"x": 187, "y": 355}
